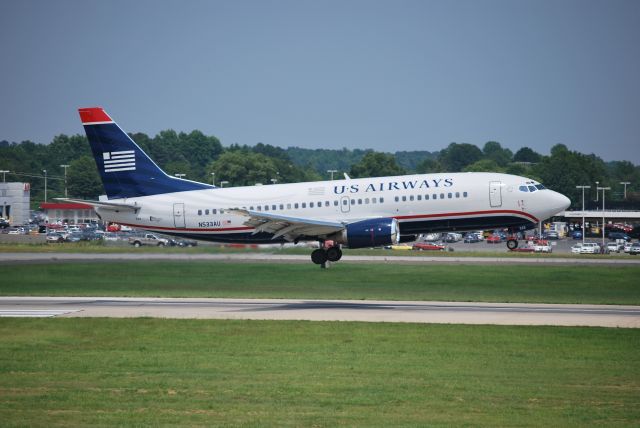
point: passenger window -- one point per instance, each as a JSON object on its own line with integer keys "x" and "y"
{"x": 359, "y": 201}
{"x": 326, "y": 203}
{"x": 373, "y": 200}
{"x": 441, "y": 195}
{"x": 266, "y": 207}
{"x": 274, "y": 207}
{"x": 344, "y": 202}
{"x": 397, "y": 199}
{"x": 435, "y": 196}
{"x": 411, "y": 198}
{"x": 250, "y": 208}
{"x": 304, "y": 205}
{"x": 426, "y": 197}
{"x": 281, "y": 206}
{"x": 199, "y": 212}
{"x": 335, "y": 203}
{"x": 381, "y": 200}
{"x": 295, "y": 205}
{"x": 366, "y": 200}
{"x": 310, "y": 204}
{"x": 457, "y": 194}
{"x": 221, "y": 211}
{"x": 465, "y": 194}
{"x": 213, "y": 211}
{"x": 259, "y": 208}
{"x": 419, "y": 197}
{"x": 404, "y": 199}
{"x": 449, "y": 195}
{"x": 206, "y": 212}
{"x": 353, "y": 201}
{"x": 288, "y": 206}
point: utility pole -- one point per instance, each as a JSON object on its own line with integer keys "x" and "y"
{"x": 4, "y": 175}
{"x": 583, "y": 187}
{"x": 45, "y": 184}
{"x": 222, "y": 183}
{"x": 213, "y": 178}
{"x": 331, "y": 171}
{"x": 625, "y": 183}
{"x": 180, "y": 175}
{"x": 65, "y": 178}
{"x": 603, "y": 220}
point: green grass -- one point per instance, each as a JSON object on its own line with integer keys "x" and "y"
{"x": 487, "y": 283}
{"x": 70, "y": 372}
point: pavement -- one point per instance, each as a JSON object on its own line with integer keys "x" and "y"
{"x": 326, "y": 310}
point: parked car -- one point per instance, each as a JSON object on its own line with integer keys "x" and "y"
{"x": 635, "y": 249}
{"x": 575, "y": 249}
{"x": 148, "y": 239}
{"x": 619, "y": 235}
{"x": 613, "y": 247}
{"x": 542, "y": 246}
{"x": 471, "y": 238}
{"x": 627, "y": 247}
{"x": 185, "y": 243}
{"x": 576, "y": 234}
{"x": 590, "y": 248}
{"x": 493, "y": 239}
{"x": 4, "y": 223}
{"x": 426, "y": 246}
{"x": 55, "y": 237}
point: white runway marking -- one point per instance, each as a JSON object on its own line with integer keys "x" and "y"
{"x": 33, "y": 313}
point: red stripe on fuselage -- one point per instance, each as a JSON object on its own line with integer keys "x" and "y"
{"x": 467, "y": 214}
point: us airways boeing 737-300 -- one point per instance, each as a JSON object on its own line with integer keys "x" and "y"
{"x": 355, "y": 213}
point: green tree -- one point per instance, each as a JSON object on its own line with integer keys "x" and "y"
{"x": 483, "y": 165}
{"x": 429, "y": 166}
{"x": 526, "y": 154}
{"x": 83, "y": 180}
{"x": 493, "y": 150}
{"x": 376, "y": 164}
{"x": 243, "y": 168}
{"x": 457, "y": 156}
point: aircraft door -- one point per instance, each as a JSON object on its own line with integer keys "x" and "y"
{"x": 495, "y": 193}
{"x": 345, "y": 204}
{"x": 178, "y": 215}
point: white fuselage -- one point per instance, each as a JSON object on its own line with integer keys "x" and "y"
{"x": 421, "y": 203}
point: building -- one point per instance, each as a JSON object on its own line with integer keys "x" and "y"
{"x": 68, "y": 213}
{"x": 14, "y": 202}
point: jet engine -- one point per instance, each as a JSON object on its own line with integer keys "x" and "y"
{"x": 368, "y": 233}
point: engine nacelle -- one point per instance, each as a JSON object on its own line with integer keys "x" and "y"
{"x": 369, "y": 233}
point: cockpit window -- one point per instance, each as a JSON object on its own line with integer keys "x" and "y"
{"x": 540, "y": 187}
{"x": 523, "y": 189}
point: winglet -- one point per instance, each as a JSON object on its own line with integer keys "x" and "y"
{"x": 94, "y": 115}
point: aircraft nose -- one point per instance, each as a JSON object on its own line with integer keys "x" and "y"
{"x": 560, "y": 202}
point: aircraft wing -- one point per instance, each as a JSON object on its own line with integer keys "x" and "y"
{"x": 290, "y": 228}
{"x": 112, "y": 206}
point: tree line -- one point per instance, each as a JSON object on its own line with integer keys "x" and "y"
{"x": 203, "y": 158}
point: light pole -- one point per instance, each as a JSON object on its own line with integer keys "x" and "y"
{"x": 274, "y": 180}
{"x": 597, "y": 194}
{"x": 180, "y": 175}
{"x": 331, "y": 171}
{"x": 4, "y": 175}
{"x": 222, "y": 183}
{"x": 65, "y": 178}
{"x": 603, "y": 220}
{"x": 45, "y": 184}
{"x": 213, "y": 178}
{"x": 583, "y": 187}
{"x": 625, "y": 184}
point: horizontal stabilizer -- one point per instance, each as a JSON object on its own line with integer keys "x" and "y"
{"x": 112, "y": 206}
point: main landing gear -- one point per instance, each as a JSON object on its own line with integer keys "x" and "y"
{"x": 321, "y": 256}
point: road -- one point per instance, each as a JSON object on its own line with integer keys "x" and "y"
{"x": 322, "y": 310}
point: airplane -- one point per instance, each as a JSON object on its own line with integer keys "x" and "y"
{"x": 353, "y": 213}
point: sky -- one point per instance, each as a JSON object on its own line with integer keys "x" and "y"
{"x": 386, "y": 75}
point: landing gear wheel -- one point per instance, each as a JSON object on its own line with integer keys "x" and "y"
{"x": 512, "y": 244}
{"x": 319, "y": 256}
{"x": 334, "y": 254}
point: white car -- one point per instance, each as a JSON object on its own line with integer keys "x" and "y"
{"x": 613, "y": 247}
{"x": 575, "y": 249}
{"x": 590, "y": 248}
{"x": 542, "y": 248}
{"x": 627, "y": 247}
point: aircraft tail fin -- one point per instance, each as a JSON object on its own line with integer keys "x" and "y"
{"x": 125, "y": 169}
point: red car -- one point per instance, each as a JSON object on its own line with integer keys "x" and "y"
{"x": 493, "y": 239}
{"x": 425, "y": 246}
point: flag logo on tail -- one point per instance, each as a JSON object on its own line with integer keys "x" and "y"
{"x": 119, "y": 161}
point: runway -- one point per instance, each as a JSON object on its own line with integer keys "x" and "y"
{"x": 321, "y": 310}
{"x": 13, "y": 258}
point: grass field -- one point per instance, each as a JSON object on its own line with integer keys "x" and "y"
{"x": 69, "y": 372}
{"x": 486, "y": 283}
